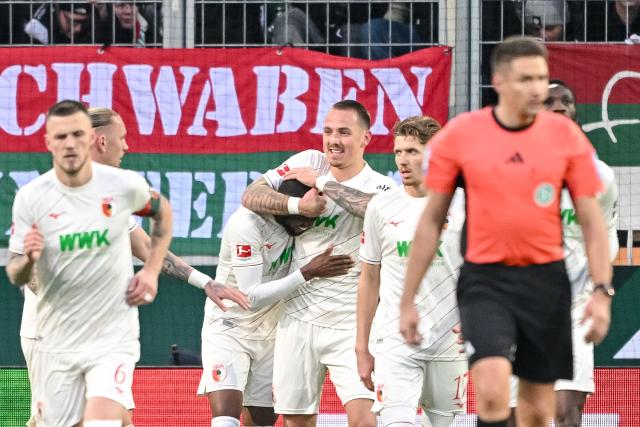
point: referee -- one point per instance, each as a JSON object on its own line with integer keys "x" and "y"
{"x": 513, "y": 292}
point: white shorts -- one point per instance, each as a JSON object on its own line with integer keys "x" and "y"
{"x": 303, "y": 354}
{"x": 230, "y": 363}
{"x": 582, "y": 360}
{"x": 405, "y": 382}
{"x": 29, "y": 351}
{"x": 65, "y": 381}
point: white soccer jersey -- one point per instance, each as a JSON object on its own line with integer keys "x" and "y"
{"x": 574, "y": 250}
{"x": 28, "y": 325}
{"x": 328, "y": 302}
{"x": 86, "y": 264}
{"x": 389, "y": 227}
{"x": 256, "y": 246}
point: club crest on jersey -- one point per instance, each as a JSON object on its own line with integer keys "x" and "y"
{"x": 544, "y": 195}
{"x": 243, "y": 251}
{"x": 219, "y": 372}
{"x": 108, "y": 206}
{"x": 381, "y": 394}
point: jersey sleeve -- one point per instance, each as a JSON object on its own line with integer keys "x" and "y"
{"x": 245, "y": 242}
{"x": 609, "y": 204}
{"x": 383, "y": 184}
{"x": 132, "y": 224}
{"x": 443, "y": 166}
{"x": 21, "y": 223}
{"x": 370, "y": 246}
{"x": 581, "y": 176}
{"x": 309, "y": 159}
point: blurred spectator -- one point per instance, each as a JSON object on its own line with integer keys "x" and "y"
{"x": 123, "y": 23}
{"x": 612, "y": 20}
{"x": 373, "y": 39}
{"x": 54, "y": 23}
{"x": 544, "y": 19}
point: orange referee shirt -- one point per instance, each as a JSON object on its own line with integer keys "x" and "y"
{"x": 513, "y": 180}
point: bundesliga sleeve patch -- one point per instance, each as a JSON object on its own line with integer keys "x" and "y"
{"x": 282, "y": 170}
{"x": 243, "y": 251}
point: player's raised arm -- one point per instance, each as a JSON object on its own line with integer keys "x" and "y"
{"x": 260, "y": 198}
{"x": 176, "y": 267}
{"x": 144, "y": 285}
{"x": 353, "y": 201}
{"x": 426, "y": 238}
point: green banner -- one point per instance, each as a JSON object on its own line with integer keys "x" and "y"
{"x": 204, "y": 190}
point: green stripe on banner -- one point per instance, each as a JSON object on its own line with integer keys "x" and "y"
{"x": 204, "y": 190}
{"x": 623, "y": 148}
{"x": 14, "y": 397}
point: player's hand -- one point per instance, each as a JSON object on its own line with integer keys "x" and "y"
{"x": 366, "y": 364}
{"x": 327, "y": 265}
{"x": 409, "y": 324}
{"x": 307, "y": 176}
{"x": 218, "y": 292}
{"x": 598, "y": 314}
{"x": 459, "y": 337}
{"x": 33, "y": 244}
{"x": 311, "y": 204}
{"x": 143, "y": 288}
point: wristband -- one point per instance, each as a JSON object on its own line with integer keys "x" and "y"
{"x": 321, "y": 181}
{"x": 292, "y": 205}
{"x": 198, "y": 279}
{"x": 605, "y": 288}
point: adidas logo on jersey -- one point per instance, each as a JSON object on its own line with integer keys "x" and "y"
{"x": 516, "y": 158}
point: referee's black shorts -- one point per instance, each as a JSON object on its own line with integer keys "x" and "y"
{"x": 521, "y": 313}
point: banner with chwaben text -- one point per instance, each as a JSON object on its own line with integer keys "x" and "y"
{"x": 202, "y": 123}
{"x": 606, "y": 82}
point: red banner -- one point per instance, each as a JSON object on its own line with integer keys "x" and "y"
{"x": 591, "y": 69}
{"x": 217, "y": 100}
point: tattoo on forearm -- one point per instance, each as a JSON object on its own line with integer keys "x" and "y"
{"x": 261, "y": 198}
{"x": 353, "y": 201}
{"x": 176, "y": 267}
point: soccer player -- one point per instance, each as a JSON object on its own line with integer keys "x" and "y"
{"x": 238, "y": 345}
{"x": 72, "y": 223}
{"x": 432, "y": 374}
{"x": 571, "y": 395}
{"x": 109, "y": 149}
{"x": 513, "y": 293}
{"x": 317, "y": 330}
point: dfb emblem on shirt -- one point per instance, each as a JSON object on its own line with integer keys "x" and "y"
{"x": 219, "y": 372}
{"x": 108, "y": 206}
{"x": 243, "y": 251}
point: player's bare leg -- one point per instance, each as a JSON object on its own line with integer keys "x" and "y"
{"x": 258, "y": 416}
{"x": 227, "y": 404}
{"x": 127, "y": 419}
{"x": 359, "y": 413}
{"x": 103, "y": 409}
{"x": 491, "y": 383}
{"x": 511, "y": 422}
{"x": 536, "y": 404}
{"x": 569, "y": 407}
{"x": 300, "y": 420}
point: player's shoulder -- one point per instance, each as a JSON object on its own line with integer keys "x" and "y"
{"x": 38, "y": 186}
{"x": 386, "y": 197}
{"x": 376, "y": 181}
{"x": 116, "y": 178}
{"x": 307, "y": 158}
{"x": 605, "y": 172}
{"x": 245, "y": 222}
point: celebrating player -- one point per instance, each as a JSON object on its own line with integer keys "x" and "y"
{"x": 238, "y": 345}
{"x": 432, "y": 374}
{"x": 513, "y": 292}
{"x": 321, "y": 313}
{"x": 72, "y": 223}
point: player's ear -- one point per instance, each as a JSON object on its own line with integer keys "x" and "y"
{"x": 101, "y": 142}
{"x": 47, "y": 141}
{"x": 366, "y": 139}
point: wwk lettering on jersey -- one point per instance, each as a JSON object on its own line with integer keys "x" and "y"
{"x": 328, "y": 221}
{"x": 404, "y": 246}
{"x": 285, "y": 256}
{"x": 84, "y": 240}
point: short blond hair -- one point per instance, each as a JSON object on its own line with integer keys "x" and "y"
{"x": 101, "y": 116}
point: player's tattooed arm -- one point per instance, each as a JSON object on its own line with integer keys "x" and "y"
{"x": 19, "y": 269}
{"x": 260, "y": 198}
{"x": 353, "y": 201}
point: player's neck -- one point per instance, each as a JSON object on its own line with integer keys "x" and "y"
{"x": 512, "y": 119}
{"x": 415, "y": 191}
{"x": 76, "y": 180}
{"x": 345, "y": 174}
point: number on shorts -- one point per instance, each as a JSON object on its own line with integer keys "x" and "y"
{"x": 461, "y": 386}
{"x": 120, "y": 374}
